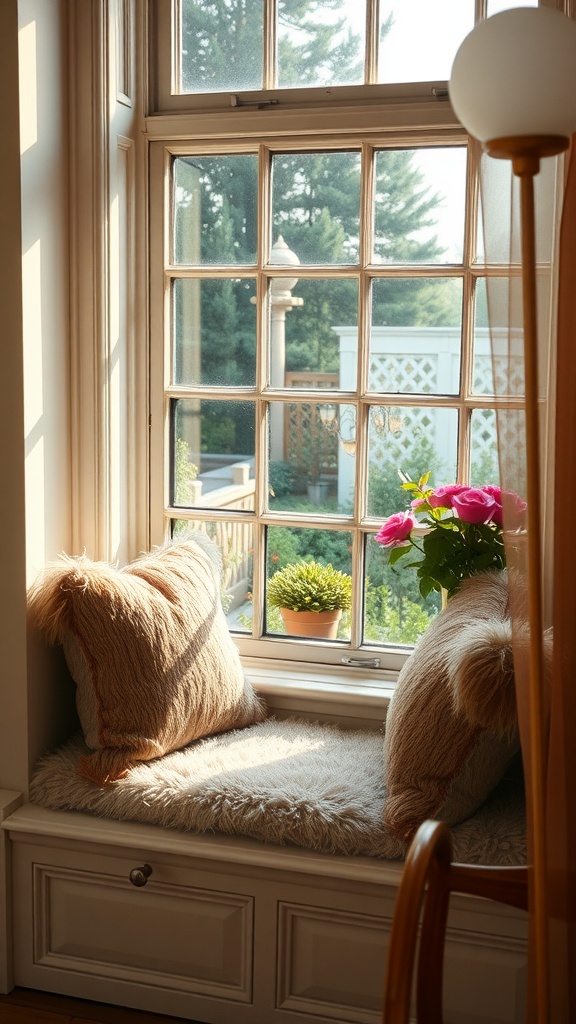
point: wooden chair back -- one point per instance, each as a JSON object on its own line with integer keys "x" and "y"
{"x": 428, "y": 879}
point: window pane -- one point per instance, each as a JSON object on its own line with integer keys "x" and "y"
{"x": 484, "y": 448}
{"x": 483, "y": 376}
{"x": 496, "y": 369}
{"x": 214, "y": 331}
{"x": 221, "y": 45}
{"x": 321, "y": 44}
{"x": 416, "y": 359}
{"x": 234, "y": 540}
{"x": 213, "y": 453}
{"x": 313, "y": 333}
{"x": 291, "y": 545}
{"x": 316, "y": 205}
{"x": 419, "y": 205}
{"x": 419, "y": 39}
{"x": 215, "y": 209}
{"x": 411, "y": 439}
{"x": 312, "y": 457}
{"x": 394, "y": 611}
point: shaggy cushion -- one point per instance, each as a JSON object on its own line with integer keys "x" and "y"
{"x": 451, "y": 725}
{"x": 150, "y": 652}
{"x": 285, "y": 782}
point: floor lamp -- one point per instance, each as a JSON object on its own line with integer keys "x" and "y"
{"x": 513, "y": 87}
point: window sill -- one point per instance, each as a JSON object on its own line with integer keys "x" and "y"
{"x": 314, "y": 692}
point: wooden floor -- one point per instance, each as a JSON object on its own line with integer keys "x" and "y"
{"x": 26, "y": 1006}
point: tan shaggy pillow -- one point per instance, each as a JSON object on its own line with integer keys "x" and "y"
{"x": 150, "y": 652}
{"x": 451, "y": 725}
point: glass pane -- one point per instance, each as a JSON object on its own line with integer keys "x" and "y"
{"x": 419, "y": 39}
{"x": 215, "y": 209}
{"x": 234, "y": 540}
{"x": 421, "y": 354}
{"x": 498, "y": 349}
{"x": 394, "y": 611}
{"x": 483, "y": 375}
{"x": 316, "y": 206}
{"x": 312, "y": 457}
{"x": 484, "y": 448}
{"x": 313, "y": 333}
{"x": 419, "y": 205}
{"x": 413, "y": 440}
{"x": 213, "y": 454}
{"x": 493, "y": 234}
{"x": 221, "y": 45}
{"x": 290, "y": 546}
{"x": 321, "y": 44}
{"x": 214, "y": 331}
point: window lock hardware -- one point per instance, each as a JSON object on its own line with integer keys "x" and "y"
{"x": 235, "y": 101}
{"x": 362, "y": 662}
{"x": 440, "y": 94}
{"x": 139, "y": 876}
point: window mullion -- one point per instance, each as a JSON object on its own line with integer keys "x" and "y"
{"x": 372, "y": 41}
{"x": 270, "y": 70}
{"x": 262, "y": 379}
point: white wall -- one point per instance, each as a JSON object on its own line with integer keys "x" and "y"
{"x": 34, "y": 388}
{"x": 44, "y": 145}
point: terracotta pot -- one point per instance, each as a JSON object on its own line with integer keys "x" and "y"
{"x": 318, "y": 624}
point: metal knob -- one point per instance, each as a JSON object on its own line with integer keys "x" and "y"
{"x": 139, "y": 876}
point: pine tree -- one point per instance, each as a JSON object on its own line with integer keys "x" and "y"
{"x": 316, "y": 198}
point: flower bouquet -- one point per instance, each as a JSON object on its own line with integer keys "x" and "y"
{"x": 455, "y": 531}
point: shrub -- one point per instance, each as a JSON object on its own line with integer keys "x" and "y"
{"x": 310, "y": 586}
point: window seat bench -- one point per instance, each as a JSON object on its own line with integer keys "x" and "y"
{"x": 287, "y": 919}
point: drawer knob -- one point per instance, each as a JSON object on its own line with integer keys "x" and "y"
{"x": 139, "y": 876}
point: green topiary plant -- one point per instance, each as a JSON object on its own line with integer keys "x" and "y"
{"x": 311, "y": 587}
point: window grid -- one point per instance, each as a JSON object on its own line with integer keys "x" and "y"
{"x": 362, "y": 398}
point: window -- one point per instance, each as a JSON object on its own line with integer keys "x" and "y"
{"x": 318, "y": 304}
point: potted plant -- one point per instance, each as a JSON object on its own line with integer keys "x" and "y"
{"x": 311, "y": 598}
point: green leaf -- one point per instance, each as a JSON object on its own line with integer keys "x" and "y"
{"x": 399, "y": 552}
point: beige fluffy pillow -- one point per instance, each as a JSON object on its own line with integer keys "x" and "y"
{"x": 451, "y": 724}
{"x": 150, "y": 652}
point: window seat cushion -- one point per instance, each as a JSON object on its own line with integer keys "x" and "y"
{"x": 296, "y": 782}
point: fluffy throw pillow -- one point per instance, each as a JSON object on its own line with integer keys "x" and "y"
{"x": 150, "y": 652}
{"x": 451, "y": 725}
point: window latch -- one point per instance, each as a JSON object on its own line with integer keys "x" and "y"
{"x": 235, "y": 101}
{"x": 362, "y": 662}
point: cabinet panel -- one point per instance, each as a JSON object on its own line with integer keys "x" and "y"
{"x": 484, "y": 979}
{"x": 331, "y": 962}
{"x": 180, "y": 937}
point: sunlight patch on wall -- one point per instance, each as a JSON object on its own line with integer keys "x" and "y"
{"x": 28, "y": 86}
{"x": 34, "y": 406}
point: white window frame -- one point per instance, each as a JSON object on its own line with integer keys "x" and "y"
{"x": 161, "y": 151}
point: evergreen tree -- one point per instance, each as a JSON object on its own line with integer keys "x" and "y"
{"x": 316, "y": 198}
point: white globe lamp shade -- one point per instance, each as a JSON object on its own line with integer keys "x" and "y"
{"x": 515, "y": 75}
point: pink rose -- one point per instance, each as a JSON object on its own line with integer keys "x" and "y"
{"x": 514, "y": 509}
{"x": 418, "y": 502}
{"x": 474, "y": 505}
{"x": 441, "y": 497}
{"x": 496, "y": 493}
{"x": 396, "y": 529}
